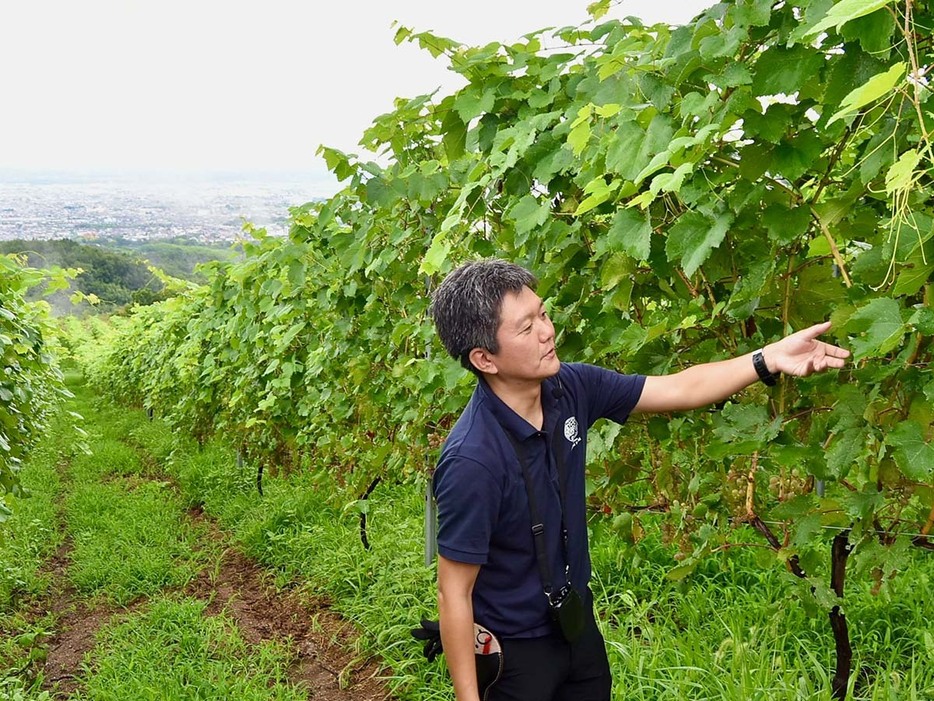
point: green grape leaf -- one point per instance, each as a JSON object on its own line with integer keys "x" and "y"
{"x": 630, "y": 233}
{"x": 528, "y": 214}
{"x": 844, "y": 11}
{"x": 914, "y": 452}
{"x": 900, "y": 174}
{"x": 756, "y": 13}
{"x": 598, "y": 191}
{"x": 632, "y": 148}
{"x": 911, "y": 279}
{"x": 474, "y": 102}
{"x": 786, "y": 224}
{"x": 746, "y": 422}
{"x": 579, "y": 135}
{"x": 783, "y": 70}
{"x": 436, "y": 255}
{"x": 874, "y": 88}
{"x": 880, "y": 326}
{"x": 693, "y": 238}
{"x": 842, "y": 454}
{"x": 923, "y": 321}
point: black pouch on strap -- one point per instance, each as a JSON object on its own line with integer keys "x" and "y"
{"x": 567, "y": 611}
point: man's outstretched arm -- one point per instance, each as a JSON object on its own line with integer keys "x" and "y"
{"x": 799, "y": 354}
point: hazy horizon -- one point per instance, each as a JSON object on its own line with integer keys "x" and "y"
{"x": 143, "y": 174}
{"x": 235, "y": 87}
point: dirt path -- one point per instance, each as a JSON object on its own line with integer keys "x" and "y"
{"x": 321, "y": 640}
{"x": 75, "y": 624}
{"x": 324, "y": 663}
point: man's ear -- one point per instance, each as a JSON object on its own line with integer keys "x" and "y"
{"x": 482, "y": 359}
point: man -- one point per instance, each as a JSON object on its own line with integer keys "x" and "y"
{"x": 523, "y": 434}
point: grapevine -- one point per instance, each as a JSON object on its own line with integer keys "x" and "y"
{"x": 684, "y": 194}
{"x": 30, "y": 380}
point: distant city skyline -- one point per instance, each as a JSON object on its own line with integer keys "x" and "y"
{"x": 317, "y": 184}
{"x": 204, "y": 210}
{"x": 175, "y": 86}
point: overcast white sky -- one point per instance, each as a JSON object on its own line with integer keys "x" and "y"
{"x": 203, "y": 85}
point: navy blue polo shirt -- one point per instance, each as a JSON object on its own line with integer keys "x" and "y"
{"x": 483, "y": 508}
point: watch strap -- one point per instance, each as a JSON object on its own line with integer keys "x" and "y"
{"x": 762, "y": 370}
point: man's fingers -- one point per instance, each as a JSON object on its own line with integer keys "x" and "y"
{"x": 813, "y": 332}
{"x": 826, "y": 364}
{"x": 834, "y": 352}
{"x": 802, "y": 354}
{"x": 837, "y": 352}
{"x": 834, "y": 362}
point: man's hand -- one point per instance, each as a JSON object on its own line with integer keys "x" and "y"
{"x": 801, "y": 354}
{"x": 430, "y": 632}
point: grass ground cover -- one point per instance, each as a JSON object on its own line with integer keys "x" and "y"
{"x": 735, "y": 630}
{"x": 173, "y": 651}
{"x": 739, "y": 630}
{"x": 136, "y": 595}
{"x": 128, "y": 531}
{"x": 297, "y": 530}
{"x": 27, "y": 540}
{"x": 129, "y": 539}
{"x": 31, "y": 534}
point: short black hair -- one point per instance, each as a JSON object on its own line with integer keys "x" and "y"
{"x": 466, "y": 306}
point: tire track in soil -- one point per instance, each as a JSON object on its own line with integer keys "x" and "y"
{"x": 76, "y": 626}
{"x": 75, "y": 623}
{"x": 320, "y": 639}
{"x": 75, "y": 618}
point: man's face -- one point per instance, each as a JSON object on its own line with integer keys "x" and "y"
{"x": 526, "y": 339}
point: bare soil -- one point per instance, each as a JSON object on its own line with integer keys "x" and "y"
{"x": 75, "y": 626}
{"x": 326, "y": 661}
{"x": 323, "y": 643}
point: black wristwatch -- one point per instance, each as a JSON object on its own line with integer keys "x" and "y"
{"x": 758, "y": 362}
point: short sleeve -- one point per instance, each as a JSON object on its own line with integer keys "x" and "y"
{"x": 469, "y": 499}
{"x": 610, "y": 394}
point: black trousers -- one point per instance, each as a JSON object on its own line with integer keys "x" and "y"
{"x": 551, "y": 669}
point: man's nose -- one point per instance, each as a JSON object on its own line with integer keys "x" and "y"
{"x": 546, "y": 330}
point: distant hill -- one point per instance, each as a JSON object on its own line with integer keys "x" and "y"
{"x": 176, "y": 257}
{"x": 117, "y": 274}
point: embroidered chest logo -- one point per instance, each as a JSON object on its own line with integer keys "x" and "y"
{"x": 572, "y": 431}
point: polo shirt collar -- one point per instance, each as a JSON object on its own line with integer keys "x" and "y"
{"x": 510, "y": 420}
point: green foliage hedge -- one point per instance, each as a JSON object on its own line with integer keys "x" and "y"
{"x": 684, "y": 194}
{"x": 30, "y": 381}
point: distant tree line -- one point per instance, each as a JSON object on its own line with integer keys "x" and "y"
{"x": 178, "y": 257}
{"x": 117, "y": 279}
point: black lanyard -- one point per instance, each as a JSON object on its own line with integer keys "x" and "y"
{"x": 538, "y": 527}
